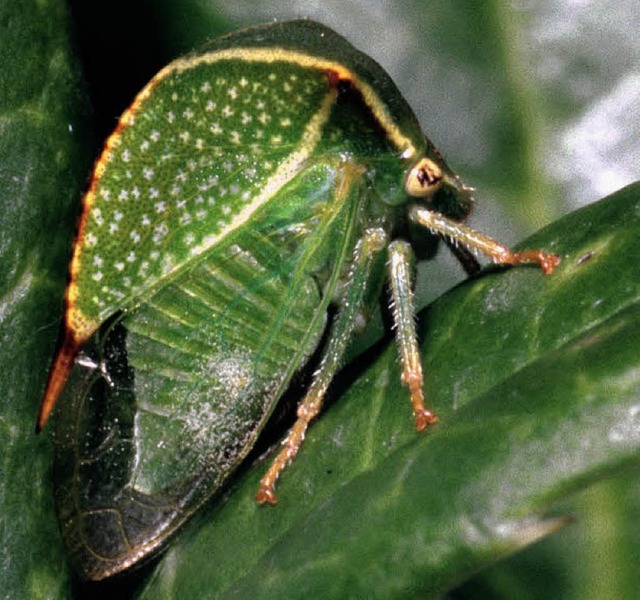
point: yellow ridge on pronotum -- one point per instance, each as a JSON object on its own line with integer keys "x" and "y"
{"x": 277, "y": 54}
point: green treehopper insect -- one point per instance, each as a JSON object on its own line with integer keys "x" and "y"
{"x": 250, "y": 187}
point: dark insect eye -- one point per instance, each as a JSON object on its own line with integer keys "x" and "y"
{"x": 426, "y": 177}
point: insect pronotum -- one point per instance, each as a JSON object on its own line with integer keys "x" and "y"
{"x": 248, "y": 187}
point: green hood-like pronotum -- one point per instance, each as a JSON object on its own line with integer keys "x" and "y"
{"x": 247, "y": 188}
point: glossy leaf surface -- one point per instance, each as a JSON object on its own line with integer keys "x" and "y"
{"x": 44, "y": 158}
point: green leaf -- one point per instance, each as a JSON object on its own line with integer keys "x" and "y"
{"x": 536, "y": 383}
{"x": 44, "y": 157}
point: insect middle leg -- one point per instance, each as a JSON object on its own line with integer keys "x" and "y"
{"x": 366, "y": 252}
{"x": 400, "y": 282}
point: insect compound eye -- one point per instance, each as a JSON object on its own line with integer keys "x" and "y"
{"x": 424, "y": 178}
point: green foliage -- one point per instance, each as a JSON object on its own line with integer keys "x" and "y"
{"x": 535, "y": 379}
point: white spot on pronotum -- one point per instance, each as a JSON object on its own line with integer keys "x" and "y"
{"x": 147, "y": 173}
{"x": 97, "y": 216}
{"x": 168, "y": 262}
{"x": 97, "y": 276}
{"x": 144, "y": 267}
{"x": 159, "y": 232}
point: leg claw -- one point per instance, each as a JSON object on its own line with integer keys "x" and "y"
{"x": 424, "y": 418}
{"x": 266, "y": 495}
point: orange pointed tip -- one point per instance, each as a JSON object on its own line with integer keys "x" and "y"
{"x": 58, "y": 375}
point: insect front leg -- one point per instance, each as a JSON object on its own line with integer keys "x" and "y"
{"x": 400, "y": 279}
{"x": 366, "y": 251}
{"x": 497, "y": 252}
